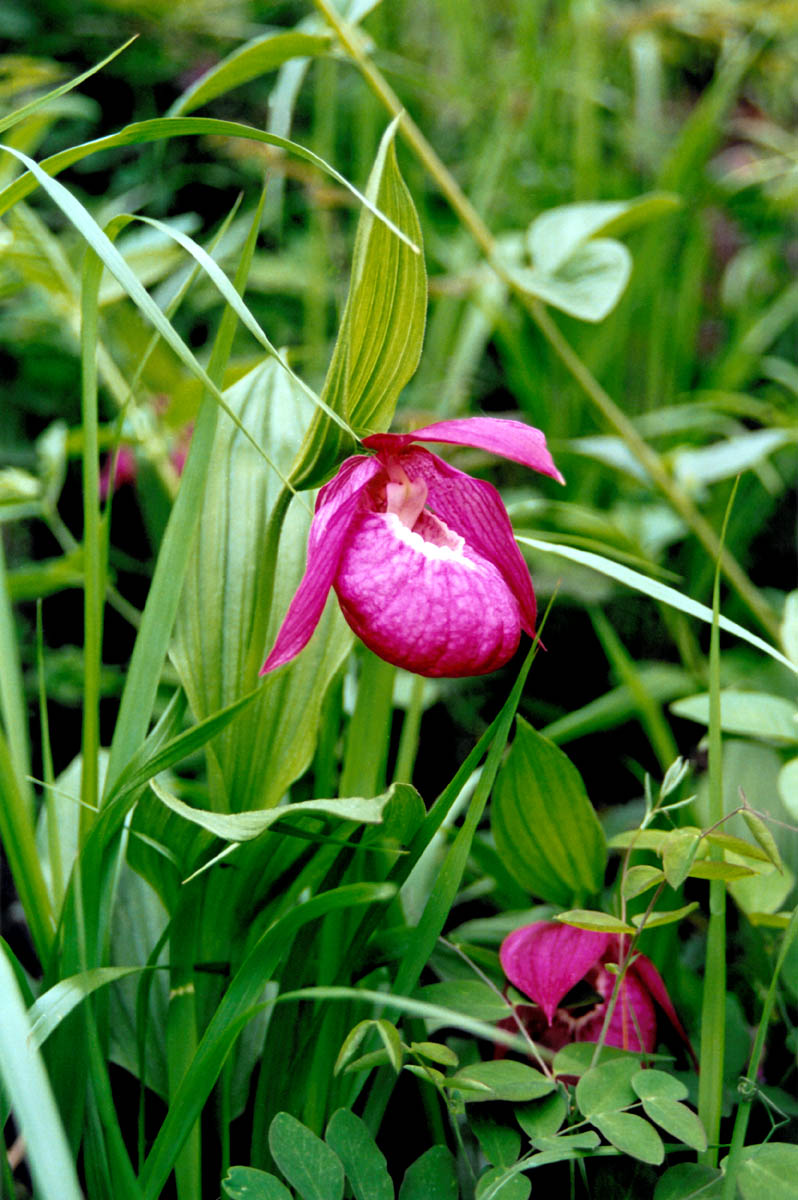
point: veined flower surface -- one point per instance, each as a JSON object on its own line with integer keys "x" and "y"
{"x": 421, "y": 556}
{"x": 547, "y": 959}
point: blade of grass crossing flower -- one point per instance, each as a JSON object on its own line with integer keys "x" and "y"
{"x": 237, "y": 1004}
{"x": 713, "y": 1003}
{"x": 160, "y": 610}
{"x": 26, "y": 1084}
{"x": 657, "y": 591}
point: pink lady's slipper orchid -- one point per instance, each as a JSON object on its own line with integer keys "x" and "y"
{"x": 421, "y": 556}
{"x": 547, "y": 960}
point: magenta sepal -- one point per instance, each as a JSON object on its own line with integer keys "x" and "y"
{"x": 544, "y": 960}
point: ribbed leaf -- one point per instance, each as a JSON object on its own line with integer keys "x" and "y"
{"x": 547, "y": 833}
{"x": 379, "y": 341}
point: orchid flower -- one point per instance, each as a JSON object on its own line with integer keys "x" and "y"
{"x": 547, "y": 959}
{"x": 421, "y": 556}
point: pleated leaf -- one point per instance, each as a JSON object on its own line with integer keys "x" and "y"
{"x": 233, "y": 600}
{"x": 547, "y": 833}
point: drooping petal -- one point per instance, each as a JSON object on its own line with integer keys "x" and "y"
{"x": 633, "y": 1024}
{"x": 336, "y": 508}
{"x": 474, "y": 509}
{"x": 422, "y": 598}
{"x": 509, "y": 439}
{"x": 544, "y": 960}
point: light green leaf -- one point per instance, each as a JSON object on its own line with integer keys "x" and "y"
{"x": 788, "y": 787}
{"x": 696, "y": 468}
{"x": 678, "y": 852}
{"x": 57, "y": 1002}
{"x": 389, "y": 1035}
{"x": 364, "y": 1163}
{"x": 566, "y": 1143}
{"x": 501, "y": 1080}
{"x": 557, "y": 233}
{"x": 468, "y": 996}
{"x": 547, "y": 833}
{"x": 241, "y": 827}
{"x": 711, "y": 869}
{"x": 587, "y": 285}
{"x": 663, "y": 918}
{"x": 608, "y": 1087}
{"x": 577, "y": 1058}
{"x": 762, "y": 893}
{"x": 382, "y": 329}
{"x": 766, "y": 840}
{"x": 585, "y": 918}
{"x": 307, "y": 1162}
{"x": 690, "y": 1181}
{"x": 676, "y": 1119}
{"x": 639, "y": 879}
{"x": 754, "y": 714}
{"x": 436, "y": 1052}
{"x": 254, "y": 58}
{"x": 631, "y": 1135}
{"x": 248, "y": 1183}
{"x": 657, "y": 591}
{"x": 235, "y": 596}
{"x": 657, "y": 1085}
{"x": 27, "y": 1087}
{"x": 433, "y": 1176}
{"x": 768, "y": 1170}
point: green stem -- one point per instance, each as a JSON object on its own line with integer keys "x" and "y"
{"x": 747, "y": 1086}
{"x": 411, "y": 728}
{"x": 51, "y": 808}
{"x": 352, "y": 42}
{"x": 181, "y": 1037}
{"x": 19, "y": 842}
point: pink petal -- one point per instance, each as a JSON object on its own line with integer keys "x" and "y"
{"x": 336, "y": 507}
{"x": 651, "y": 979}
{"x": 474, "y": 509}
{"x": 509, "y": 439}
{"x": 544, "y": 960}
{"x": 423, "y": 600}
{"x": 634, "y": 1022}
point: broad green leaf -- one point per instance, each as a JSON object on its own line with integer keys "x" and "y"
{"x": 235, "y": 596}
{"x": 436, "y": 1052}
{"x": 501, "y": 1080}
{"x": 364, "y": 1163}
{"x": 676, "y": 1119}
{"x": 577, "y": 1058}
{"x": 690, "y": 1181}
{"x": 547, "y": 833}
{"x": 241, "y": 827}
{"x": 27, "y": 1087}
{"x": 555, "y": 234}
{"x": 639, "y": 879}
{"x": 382, "y": 328}
{"x": 754, "y": 714}
{"x": 248, "y": 1183}
{"x": 309, "y": 1165}
{"x": 607, "y": 1088}
{"x": 254, "y": 58}
{"x": 762, "y": 893}
{"x": 587, "y": 285}
{"x": 711, "y": 869}
{"x": 542, "y": 1118}
{"x": 657, "y": 591}
{"x": 433, "y": 1176}
{"x": 500, "y": 1144}
{"x": 599, "y": 922}
{"x": 657, "y": 1085}
{"x": 678, "y": 852}
{"x": 517, "y": 1187}
{"x": 631, "y": 1135}
{"x": 566, "y": 1143}
{"x": 768, "y": 1170}
{"x": 663, "y": 918}
{"x": 389, "y": 1036}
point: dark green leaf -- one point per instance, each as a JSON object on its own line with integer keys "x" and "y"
{"x": 690, "y": 1181}
{"x": 657, "y": 1085}
{"x": 308, "y": 1164}
{"x": 247, "y": 1183}
{"x": 500, "y": 1143}
{"x": 676, "y": 1119}
{"x": 542, "y": 1118}
{"x": 517, "y": 1187}
{"x": 769, "y": 1170}
{"x": 631, "y": 1135}
{"x": 501, "y": 1080}
{"x": 433, "y": 1176}
{"x": 607, "y": 1088}
{"x": 363, "y": 1162}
